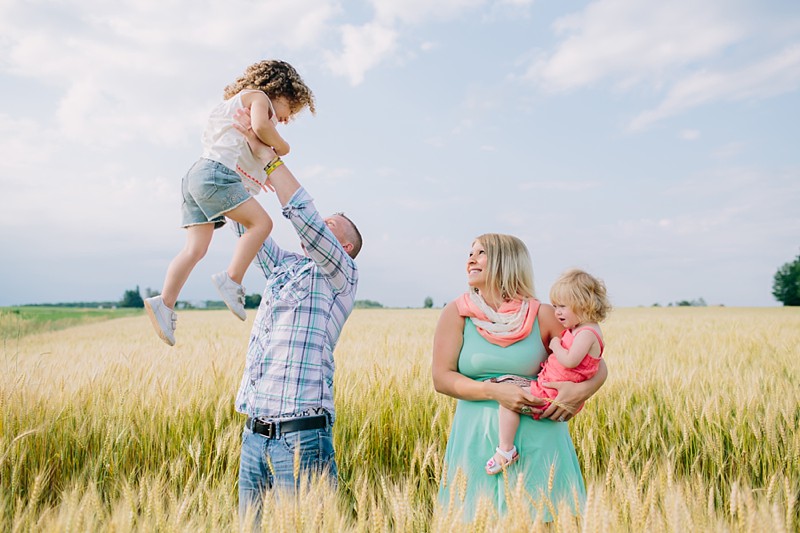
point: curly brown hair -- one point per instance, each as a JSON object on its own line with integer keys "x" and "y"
{"x": 277, "y": 79}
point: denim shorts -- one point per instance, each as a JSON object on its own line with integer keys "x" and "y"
{"x": 210, "y": 189}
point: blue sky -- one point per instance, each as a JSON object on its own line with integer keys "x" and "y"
{"x": 651, "y": 143}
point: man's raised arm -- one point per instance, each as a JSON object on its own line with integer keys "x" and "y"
{"x": 283, "y": 182}
{"x": 320, "y": 243}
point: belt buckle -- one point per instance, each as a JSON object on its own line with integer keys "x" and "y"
{"x": 267, "y": 429}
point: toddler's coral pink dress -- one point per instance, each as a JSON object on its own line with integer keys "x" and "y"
{"x": 552, "y": 370}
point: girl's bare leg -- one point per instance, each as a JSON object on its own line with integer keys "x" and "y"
{"x": 197, "y": 240}
{"x": 509, "y": 423}
{"x": 258, "y": 224}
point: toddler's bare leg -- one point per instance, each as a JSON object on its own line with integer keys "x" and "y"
{"x": 258, "y": 225}
{"x": 197, "y": 240}
{"x": 509, "y": 423}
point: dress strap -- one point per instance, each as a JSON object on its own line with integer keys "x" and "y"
{"x": 599, "y": 339}
{"x": 271, "y": 108}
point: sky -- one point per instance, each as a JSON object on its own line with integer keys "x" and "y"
{"x": 653, "y": 144}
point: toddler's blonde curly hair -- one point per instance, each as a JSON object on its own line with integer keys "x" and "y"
{"x": 582, "y": 292}
{"x": 277, "y": 79}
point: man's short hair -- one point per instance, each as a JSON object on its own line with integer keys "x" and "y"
{"x": 353, "y": 235}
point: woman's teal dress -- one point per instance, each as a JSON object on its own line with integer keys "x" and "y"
{"x": 543, "y": 445}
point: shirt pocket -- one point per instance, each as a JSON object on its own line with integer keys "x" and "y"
{"x": 291, "y": 287}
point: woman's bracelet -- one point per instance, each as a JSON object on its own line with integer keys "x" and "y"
{"x": 272, "y": 165}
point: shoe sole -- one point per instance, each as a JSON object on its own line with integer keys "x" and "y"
{"x": 156, "y": 326}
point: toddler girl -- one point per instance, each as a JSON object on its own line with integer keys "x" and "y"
{"x": 580, "y": 302}
{"x": 222, "y": 182}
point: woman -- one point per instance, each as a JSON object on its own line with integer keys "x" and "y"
{"x": 498, "y": 328}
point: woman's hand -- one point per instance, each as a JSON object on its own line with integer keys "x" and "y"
{"x": 565, "y": 405}
{"x": 515, "y": 398}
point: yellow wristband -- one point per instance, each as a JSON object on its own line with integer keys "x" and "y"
{"x": 275, "y": 163}
{"x": 271, "y": 161}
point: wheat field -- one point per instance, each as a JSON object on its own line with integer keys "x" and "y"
{"x": 104, "y": 428}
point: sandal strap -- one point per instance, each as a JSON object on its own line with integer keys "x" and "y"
{"x": 509, "y": 455}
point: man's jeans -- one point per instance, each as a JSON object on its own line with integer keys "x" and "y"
{"x": 269, "y": 464}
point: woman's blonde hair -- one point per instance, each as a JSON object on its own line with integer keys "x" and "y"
{"x": 277, "y": 79}
{"x": 509, "y": 268}
{"x": 583, "y": 293}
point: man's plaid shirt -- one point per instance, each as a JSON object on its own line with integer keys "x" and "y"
{"x": 289, "y": 367}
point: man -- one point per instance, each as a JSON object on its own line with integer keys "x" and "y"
{"x": 287, "y": 387}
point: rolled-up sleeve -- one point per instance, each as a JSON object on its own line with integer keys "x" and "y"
{"x": 320, "y": 243}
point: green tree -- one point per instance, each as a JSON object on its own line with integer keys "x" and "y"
{"x": 786, "y": 285}
{"x": 428, "y": 303}
{"x": 252, "y": 301}
{"x": 132, "y": 298}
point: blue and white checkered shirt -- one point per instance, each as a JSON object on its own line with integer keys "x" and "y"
{"x": 289, "y": 367}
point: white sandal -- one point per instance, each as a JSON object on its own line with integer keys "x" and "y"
{"x": 493, "y": 467}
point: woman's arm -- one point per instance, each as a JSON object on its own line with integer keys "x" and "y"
{"x": 570, "y": 395}
{"x": 447, "y": 343}
{"x": 549, "y": 326}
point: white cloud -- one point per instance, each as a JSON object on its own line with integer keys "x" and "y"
{"x": 144, "y": 69}
{"x": 763, "y": 79}
{"x": 519, "y": 3}
{"x": 689, "y": 135}
{"x": 436, "y": 142}
{"x": 567, "y": 186}
{"x": 366, "y": 46}
{"x": 684, "y": 46}
{"x": 729, "y": 150}
{"x": 417, "y": 11}
{"x": 25, "y": 145}
{"x": 634, "y": 41}
{"x": 515, "y": 219}
{"x": 328, "y": 174}
{"x": 363, "y": 47}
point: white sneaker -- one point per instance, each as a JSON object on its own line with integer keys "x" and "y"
{"x": 163, "y": 318}
{"x": 232, "y": 294}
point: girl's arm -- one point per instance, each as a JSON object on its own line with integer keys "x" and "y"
{"x": 260, "y": 119}
{"x": 581, "y": 345}
{"x": 570, "y": 395}
{"x": 447, "y": 343}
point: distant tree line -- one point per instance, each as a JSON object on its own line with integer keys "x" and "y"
{"x": 700, "y": 302}
{"x": 133, "y": 299}
{"x": 368, "y": 304}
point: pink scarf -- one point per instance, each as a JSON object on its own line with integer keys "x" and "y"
{"x": 512, "y": 322}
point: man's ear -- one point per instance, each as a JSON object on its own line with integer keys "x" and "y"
{"x": 348, "y": 247}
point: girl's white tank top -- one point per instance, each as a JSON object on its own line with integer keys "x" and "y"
{"x": 222, "y": 143}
